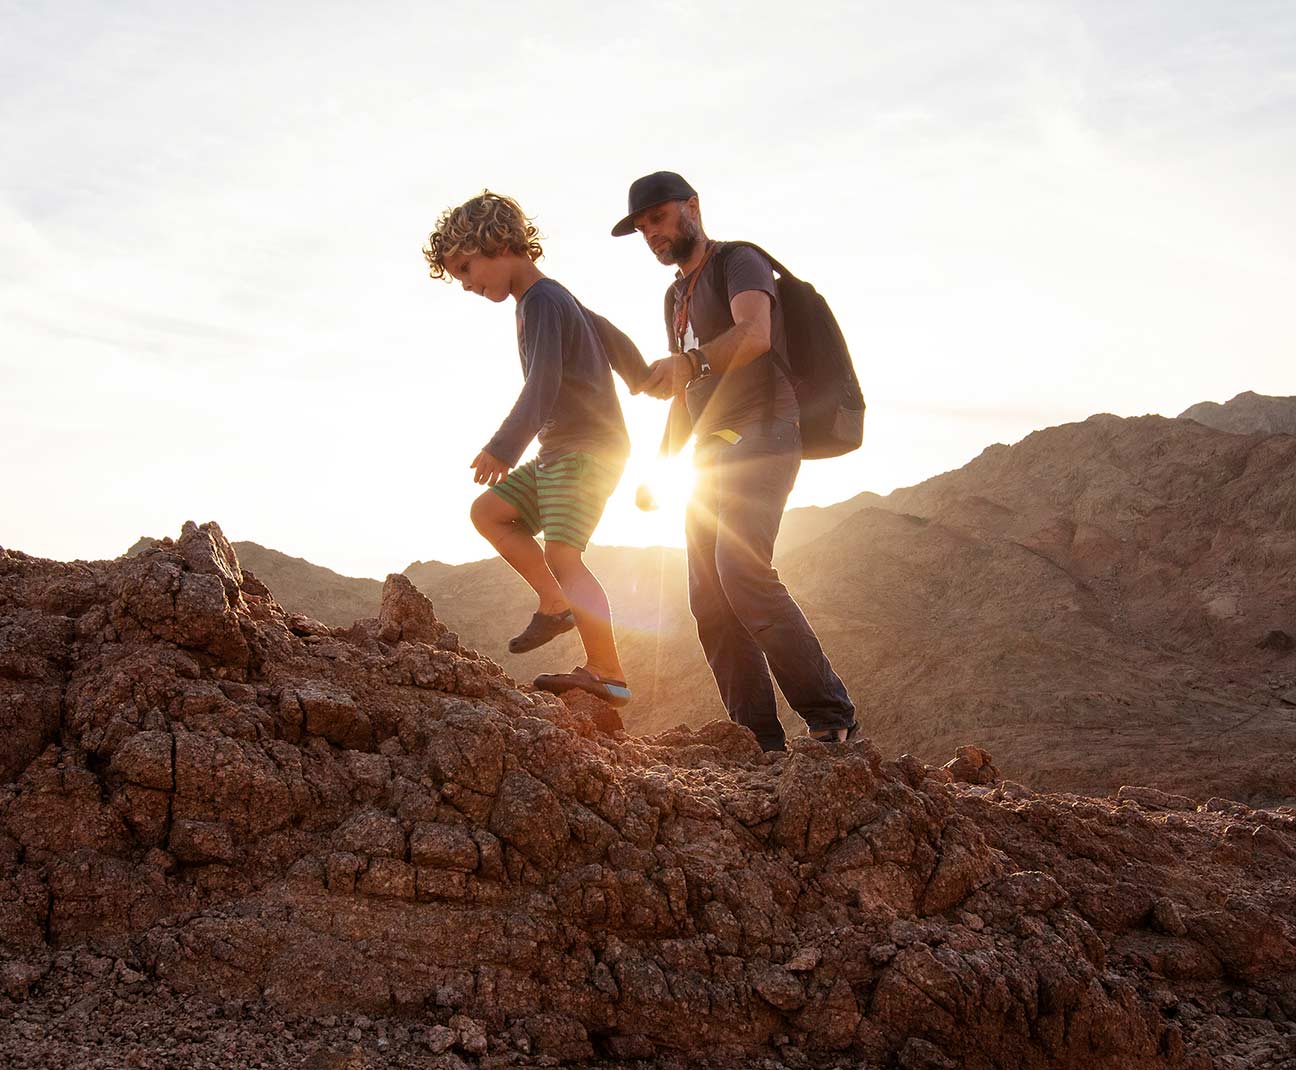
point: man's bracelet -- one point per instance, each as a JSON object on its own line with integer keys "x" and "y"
{"x": 701, "y": 366}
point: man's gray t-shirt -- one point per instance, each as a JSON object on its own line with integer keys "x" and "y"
{"x": 745, "y": 397}
{"x": 568, "y": 400}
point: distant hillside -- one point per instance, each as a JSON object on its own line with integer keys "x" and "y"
{"x": 427, "y": 573}
{"x": 1248, "y": 413}
{"x": 1089, "y": 603}
{"x": 311, "y": 589}
{"x": 804, "y": 525}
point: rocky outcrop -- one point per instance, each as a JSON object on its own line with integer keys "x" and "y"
{"x": 213, "y": 802}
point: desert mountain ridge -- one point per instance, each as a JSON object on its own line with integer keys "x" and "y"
{"x": 1103, "y": 602}
{"x": 333, "y": 597}
{"x": 1246, "y": 414}
{"x": 230, "y": 834}
{"x": 338, "y": 600}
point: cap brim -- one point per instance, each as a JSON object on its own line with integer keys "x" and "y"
{"x": 626, "y": 226}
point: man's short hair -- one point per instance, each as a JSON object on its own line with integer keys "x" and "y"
{"x": 490, "y": 224}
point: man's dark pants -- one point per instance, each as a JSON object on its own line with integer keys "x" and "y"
{"x": 748, "y": 623}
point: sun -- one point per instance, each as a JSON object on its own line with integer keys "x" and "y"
{"x": 667, "y": 484}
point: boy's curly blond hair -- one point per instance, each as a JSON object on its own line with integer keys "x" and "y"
{"x": 489, "y": 223}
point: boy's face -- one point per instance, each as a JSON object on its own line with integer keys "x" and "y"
{"x": 490, "y": 276}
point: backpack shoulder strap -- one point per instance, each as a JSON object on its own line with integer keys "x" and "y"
{"x": 729, "y": 246}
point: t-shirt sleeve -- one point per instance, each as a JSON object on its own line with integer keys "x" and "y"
{"x": 542, "y": 359}
{"x": 668, "y": 313}
{"x": 746, "y": 269}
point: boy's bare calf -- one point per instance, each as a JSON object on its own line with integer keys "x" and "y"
{"x": 589, "y": 604}
{"x": 496, "y": 520}
{"x": 558, "y": 575}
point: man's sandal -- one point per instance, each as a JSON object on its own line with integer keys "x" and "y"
{"x": 543, "y": 627}
{"x": 613, "y": 692}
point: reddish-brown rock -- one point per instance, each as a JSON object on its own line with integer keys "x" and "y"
{"x": 972, "y": 765}
{"x": 239, "y": 809}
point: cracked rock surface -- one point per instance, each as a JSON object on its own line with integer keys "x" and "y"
{"x": 232, "y": 836}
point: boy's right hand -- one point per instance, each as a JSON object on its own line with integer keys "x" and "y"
{"x": 667, "y": 377}
{"x": 489, "y": 469}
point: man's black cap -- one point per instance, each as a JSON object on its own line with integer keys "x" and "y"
{"x": 650, "y": 191}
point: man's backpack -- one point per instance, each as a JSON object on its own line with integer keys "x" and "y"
{"x": 819, "y": 366}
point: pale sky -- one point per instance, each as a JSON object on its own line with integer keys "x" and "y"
{"x": 213, "y": 305}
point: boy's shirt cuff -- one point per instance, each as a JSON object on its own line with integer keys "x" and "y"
{"x": 509, "y": 455}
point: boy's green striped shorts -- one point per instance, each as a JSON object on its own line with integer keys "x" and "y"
{"x": 564, "y": 498}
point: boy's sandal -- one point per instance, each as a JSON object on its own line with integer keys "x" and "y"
{"x": 835, "y": 735}
{"x": 543, "y": 627}
{"x": 613, "y": 692}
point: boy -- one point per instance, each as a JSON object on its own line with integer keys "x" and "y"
{"x": 568, "y": 402}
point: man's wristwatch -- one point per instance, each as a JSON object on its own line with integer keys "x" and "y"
{"x": 701, "y": 366}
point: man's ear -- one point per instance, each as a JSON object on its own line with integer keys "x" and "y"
{"x": 693, "y": 208}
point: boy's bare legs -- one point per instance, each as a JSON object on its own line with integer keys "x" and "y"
{"x": 590, "y": 607}
{"x": 494, "y": 518}
{"x": 559, "y": 578}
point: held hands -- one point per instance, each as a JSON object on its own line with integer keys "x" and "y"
{"x": 489, "y": 469}
{"x": 667, "y": 377}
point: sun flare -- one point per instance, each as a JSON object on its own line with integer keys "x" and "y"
{"x": 665, "y": 482}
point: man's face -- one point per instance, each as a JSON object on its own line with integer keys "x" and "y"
{"x": 671, "y": 230}
{"x": 488, "y": 276}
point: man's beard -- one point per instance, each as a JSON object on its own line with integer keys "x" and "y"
{"x": 683, "y": 244}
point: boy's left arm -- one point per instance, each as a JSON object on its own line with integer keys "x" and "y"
{"x": 488, "y": 468}
{"x": 542, "y": 355}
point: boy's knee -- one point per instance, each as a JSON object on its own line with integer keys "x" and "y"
{"x": 561, "y": 556}
{"x": 485, "y": 512}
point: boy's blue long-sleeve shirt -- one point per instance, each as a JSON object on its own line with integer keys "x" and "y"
{"x": 568, "y": 400}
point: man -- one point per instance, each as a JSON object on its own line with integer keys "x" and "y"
{"x": 724, "y": 320}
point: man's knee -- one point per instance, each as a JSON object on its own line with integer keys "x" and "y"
{"x": 707, "y": 603}
{"x": 751, "y": 587}
{"x": 711, "y": 620}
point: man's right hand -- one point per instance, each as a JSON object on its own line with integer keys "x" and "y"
{"x": 667, "y": 377}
